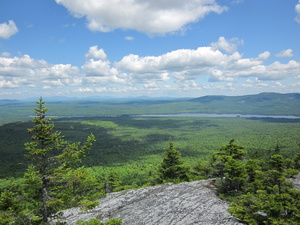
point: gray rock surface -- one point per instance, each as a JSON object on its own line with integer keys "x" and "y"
{"x": 172, "y": 204}
{"x": 296, "y": 181}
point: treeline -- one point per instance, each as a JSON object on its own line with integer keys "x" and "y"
{"x": 257, "y": 185}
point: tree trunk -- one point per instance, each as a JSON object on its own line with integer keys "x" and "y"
{"x": 44, "y": 206}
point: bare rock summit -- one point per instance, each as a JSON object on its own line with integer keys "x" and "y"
{"x": 167, "y": 204}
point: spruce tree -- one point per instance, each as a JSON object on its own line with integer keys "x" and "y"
{"x": 227, "y": 164}
{"x": 172, "y": 168}
{"x": 113, "y": 181}
{"x": 269, "y": 197}
{"x": 53, "y": 160}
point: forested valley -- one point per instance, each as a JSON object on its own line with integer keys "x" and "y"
{"x": 251, "y": 159}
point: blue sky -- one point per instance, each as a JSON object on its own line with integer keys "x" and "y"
{"x": 128, "y": 48}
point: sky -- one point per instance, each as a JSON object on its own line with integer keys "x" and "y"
{"x": 155, "y": 48}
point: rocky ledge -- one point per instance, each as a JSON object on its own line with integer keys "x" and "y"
{"x": 172, "y": 204}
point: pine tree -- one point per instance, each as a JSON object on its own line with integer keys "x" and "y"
{"x": 53, "y": 159}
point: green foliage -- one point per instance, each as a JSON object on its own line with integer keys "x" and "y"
{"x": 15, "y": 207}
{"x": 227, "y": 164}
{"x": 113, "y": 181}
{"x": 87, "y": 204}
{"x": 172, "y": 168}
{"x": 75, "y": 186}
{"x": 269, "y": 197}
{"x": 235, "y": 175}
{"x": 132, "y": 146}
{"x": 296, "y": 159}
{"x": 202, "y": 170}
{"x": 112, "y": 221}
{"x": 90, "y": 222}
{"x": 229, "y": 152}
{"x": 264, "y": 103}
{"x": 264, "y": 208}
{"x": 52, "y": 182}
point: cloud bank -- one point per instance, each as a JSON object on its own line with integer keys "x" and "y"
{"x": 218, "y": 66}
{"x": 25, "y": 71}
{"x": 147, "y": 16}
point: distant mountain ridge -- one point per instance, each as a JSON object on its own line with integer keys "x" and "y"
{"x": 265, "y": 96}
{"x": 263, "y": 103}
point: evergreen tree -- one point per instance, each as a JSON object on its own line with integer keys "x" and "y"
{"x": 296, "y": 159}
{"x": 113, "y": 181}
{"x": 227, "y": 164}
{"x": 172, "y": 168}
{"x": 202, "y": 170}
{"x": 270, "y": 198}
{"x": 228, "y": 152}
{"x": 235, "y": 175}
{"x": 53, "y": 160}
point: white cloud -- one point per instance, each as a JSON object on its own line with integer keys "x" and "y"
{"x": 275, "y": 71}
{"x": 189, "y": 85}
{"x": 109, "y": 90}
{"x": 24, "y": 61}
{"x": 95, "y": 53}
{"x": 228, "y": 46}
{"x": 85, "y": 90}
{"x": 8, "y": 29}
{"x": 285, "y": 53}
{"x": 58, "y": 71}
{"x": 150, "y": 85}
{"x": 24, "y": 70}
{"x": 297, "y": 9}
{"x": 279, "y": 84}
{"x": 237, "y": 1}
{"x": 129, "y": 38}
{"x": 99, "y": 68}
{"x": 150, "y": 77}
{"x": 7, "y": 84}
{"x": 180, "y": 70}
{"x": 148, "y": 16}
{"x": 53, "y": 83}
{"x": 218, "y": 75}
{"x": 100, "y": 71}
{"x": 5, "y": 54}
{"x": 263, "y": 84}
{"x": 264, "y": 56}
{"x": 178, "y": 60}
{"x": 189, "y": 65}
{"x": 103, "y": 80}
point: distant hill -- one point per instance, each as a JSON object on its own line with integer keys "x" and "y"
{"x": 262, "y": 97}
{"x": 264, "y": 103}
